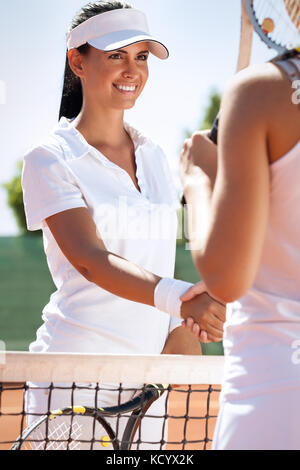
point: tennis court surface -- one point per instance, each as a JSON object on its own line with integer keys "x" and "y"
{"x": 107, "y": 402}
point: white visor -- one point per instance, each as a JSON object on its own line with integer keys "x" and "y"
{"x": 116, "y": 29}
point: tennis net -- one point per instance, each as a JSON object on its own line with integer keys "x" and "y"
{"x": 58, "y": 401}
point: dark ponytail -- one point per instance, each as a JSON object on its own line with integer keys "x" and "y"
{"x": 72, "y": 97}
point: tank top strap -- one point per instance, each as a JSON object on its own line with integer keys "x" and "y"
{"x": 290, "y": 64}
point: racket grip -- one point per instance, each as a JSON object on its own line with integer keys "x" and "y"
{"x": 214, "y": 131}
{"x": 214, "y": 138}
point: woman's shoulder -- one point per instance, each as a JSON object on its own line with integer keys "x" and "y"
{"x": 44, "y": 153}
{"x": 257, "y": 74}
{"x": 263, "y": 81}
{"x": 260, "y": 89}
{"x": 51, "y": 147}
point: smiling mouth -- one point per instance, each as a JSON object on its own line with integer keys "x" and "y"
{"x": 127, "y": 89}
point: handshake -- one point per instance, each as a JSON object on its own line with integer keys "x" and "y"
{"x": 202, "y": 315}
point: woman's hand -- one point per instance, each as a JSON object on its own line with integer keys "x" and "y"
{"x": 203, "y": 316}
{"x": 198, "y": 160}
{"x": 195, "y": 330}
{"x": 189, "y": 324}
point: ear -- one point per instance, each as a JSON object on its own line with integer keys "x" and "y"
{"x": 76, "y": 62}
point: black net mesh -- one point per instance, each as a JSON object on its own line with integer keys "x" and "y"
{"x": 107, "y": 416}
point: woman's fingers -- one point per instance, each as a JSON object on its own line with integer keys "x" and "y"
{"x": 212, "y": 331}
{"x": 190, "y": 324}
{"x": 215, "y": 324}
{"x": 203, "y": 337}
{"x": 193, "y": 327}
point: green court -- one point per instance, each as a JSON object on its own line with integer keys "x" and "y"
{"x": 26, "y": 285}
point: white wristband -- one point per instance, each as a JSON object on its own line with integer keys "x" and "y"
{"x": 167, "y": 295}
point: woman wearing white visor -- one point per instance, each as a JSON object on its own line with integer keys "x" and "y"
{"x": 103, "y": 196}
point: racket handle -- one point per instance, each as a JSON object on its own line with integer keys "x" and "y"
{"x": 214, "y": 131}
{"x": 214, "y": 138}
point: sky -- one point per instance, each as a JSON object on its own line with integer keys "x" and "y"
{"x": 203, "y": 40}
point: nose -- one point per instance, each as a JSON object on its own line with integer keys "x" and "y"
{"x": 130, "y": 69}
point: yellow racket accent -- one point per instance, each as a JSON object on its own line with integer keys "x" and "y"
{"x": 79, "y": 409}
{"x": 105, "y": 441}
{"x": 56, "y": 413}
{"x": 159, "y": 390}
{"x": 101, "y": 409}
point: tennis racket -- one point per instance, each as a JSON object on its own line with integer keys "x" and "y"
{"x": 64, "y": 429}
{"x": 246, "y": 40}
{"x": 277, "y": 23}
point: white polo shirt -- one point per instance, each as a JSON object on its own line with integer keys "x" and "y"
{"x": 65, "y": 172}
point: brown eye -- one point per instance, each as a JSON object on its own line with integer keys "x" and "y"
{"x": 115, "y": 56}
{"x": 143, "y": 57}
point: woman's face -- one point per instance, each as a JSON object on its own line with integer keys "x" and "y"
{"x": 114, "y": 79}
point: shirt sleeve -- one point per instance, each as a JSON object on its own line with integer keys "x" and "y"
{"x": 48, "y": 186}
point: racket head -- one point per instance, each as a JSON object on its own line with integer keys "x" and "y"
{"x": 85, "y": 428}
{"x": 246, "y": 42}
{"x": 277, "y": 23}
{"x": 73, "y": 428}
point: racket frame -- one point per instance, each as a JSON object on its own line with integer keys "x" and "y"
{"x": 246, "y": 40}
{"x": 137, "y": 406}
{"x": 248, "y": 5}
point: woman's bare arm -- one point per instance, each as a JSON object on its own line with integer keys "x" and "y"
{"x": 182, "y": 342}
{"x": 76, "y": 234}
{"x": 229, "y": 188}
{"x": 230, "y": 216}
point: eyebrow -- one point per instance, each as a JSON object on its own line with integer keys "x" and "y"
{"x": 125, "y": 52}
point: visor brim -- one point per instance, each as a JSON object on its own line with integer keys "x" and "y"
{"x": 119, "y": 39}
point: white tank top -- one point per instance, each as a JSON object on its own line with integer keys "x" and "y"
{"x": 262, "y": 331}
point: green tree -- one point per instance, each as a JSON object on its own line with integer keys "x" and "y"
{"x": 15, "y": 200}
{"x": 212, "y": 110}
{"x": 209, "y": 115}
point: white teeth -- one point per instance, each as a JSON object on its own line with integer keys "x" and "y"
{"x": 126, "y": 88}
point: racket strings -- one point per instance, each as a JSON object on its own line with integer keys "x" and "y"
{"x": 279, "y": 21}
{"x": 293, "y": 9}
{"x": 60, "y": 435}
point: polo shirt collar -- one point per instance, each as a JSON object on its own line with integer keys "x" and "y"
{"x": 77, "y": 145}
